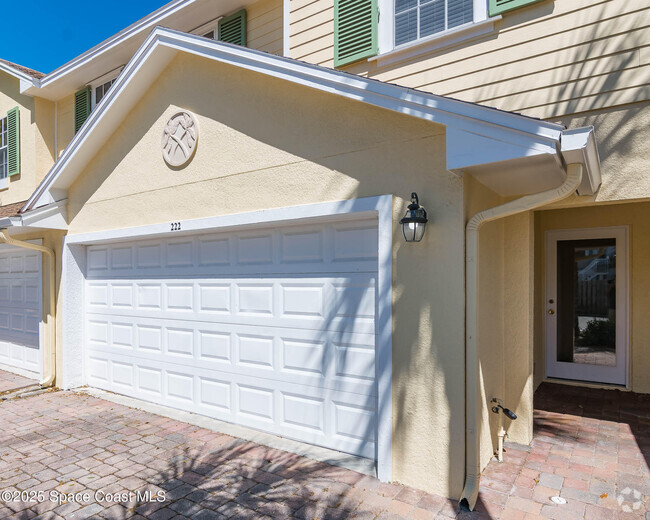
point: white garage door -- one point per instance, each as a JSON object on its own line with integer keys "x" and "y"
{"x": 20, "y": 308}
{"x": 272, "y": 329}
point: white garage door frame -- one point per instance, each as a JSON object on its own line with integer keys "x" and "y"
{"x": 381, "y": 207}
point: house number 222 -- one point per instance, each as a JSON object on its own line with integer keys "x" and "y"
{"x": 176, "y": 226}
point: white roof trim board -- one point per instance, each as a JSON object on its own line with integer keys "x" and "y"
{"x": 511, "y": 136}
{"x": 17, "y": 73}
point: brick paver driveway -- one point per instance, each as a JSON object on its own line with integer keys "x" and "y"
{"x": 591, "y": 447}
{"x": 9, "y": 381}
{"x": 66, "y": 442}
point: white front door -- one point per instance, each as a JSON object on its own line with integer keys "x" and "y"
{"x": 20, "y": 308}
{"x": 586, "y": 305}
{"x": 272, "y": 328}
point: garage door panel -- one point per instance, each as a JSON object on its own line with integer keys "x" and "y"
{"x": 338, "y": 420}
{"x": 270, "y": 328}
{"x": 339, "y": 247}
{"x": 345, "y": 364}
{"x": 346, "y": 304}
{"x": 19, "y": 355}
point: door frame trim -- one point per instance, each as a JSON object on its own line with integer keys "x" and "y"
{"x": 552, "y": 236}
{"x": 74, "y": 269}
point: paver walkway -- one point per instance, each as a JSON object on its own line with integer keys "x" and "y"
{"x": 591, "y": 447}
{"x": 10, "y": 381}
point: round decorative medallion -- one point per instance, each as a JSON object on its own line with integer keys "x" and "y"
{"x": 179, "y": 139}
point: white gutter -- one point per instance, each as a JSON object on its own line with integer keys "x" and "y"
{"x": 472, "y": 398}
{"x": 49, "y": 354}
{"x": 579, "y": 152}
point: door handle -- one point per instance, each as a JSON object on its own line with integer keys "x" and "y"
{"x": 551, "y": 311}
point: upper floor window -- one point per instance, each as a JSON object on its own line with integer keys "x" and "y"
{"x": 208, "y": 30}
{"x": 391, "y": 31}
{"x": 416, "y": 19}
{"x": 100, "y": 91}
{"x": 230, "y": 29}
{"x": 3, "y": 148}
{"x": 100, "y": 87}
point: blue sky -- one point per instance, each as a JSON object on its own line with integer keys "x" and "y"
{"x": 43, "y": 34}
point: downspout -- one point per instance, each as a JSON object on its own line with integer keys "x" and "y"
{"x": 472, "y": 409}
{"x": 49, "y": 355}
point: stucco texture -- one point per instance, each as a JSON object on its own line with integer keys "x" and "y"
{"x": 505, "y": 319}
{"x": 265, "y": 143}
{"x": 637, "y": 217}
{"x": 36, "y": 135}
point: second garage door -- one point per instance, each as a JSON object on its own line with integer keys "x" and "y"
{"x": 20, "y": 309}
{"x": 271, "y": 328}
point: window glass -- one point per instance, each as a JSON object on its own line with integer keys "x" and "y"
{"x": 416, "y": 19}
{"x": 101, "y": 91}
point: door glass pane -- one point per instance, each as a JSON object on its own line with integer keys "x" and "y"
{"x": 586, "y": 301}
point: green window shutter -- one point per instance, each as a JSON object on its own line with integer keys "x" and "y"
{"x": 232, "y": 29}
{"x": 503, "y": 6}
{"x": 13, "y": 141}
{"x": 355, "y": 30}
{"x": 81, "y": 107}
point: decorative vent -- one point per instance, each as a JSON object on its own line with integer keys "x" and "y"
{"x": 232, "y": 29}
{"x": 355, "y": 30}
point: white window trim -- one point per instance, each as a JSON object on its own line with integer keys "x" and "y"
{"x": 212, "y": 25}
{"x": 388, "y": 53}
{"x": 112, "y": 75}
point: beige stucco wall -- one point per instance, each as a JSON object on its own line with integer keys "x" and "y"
{"x": 65, "y": 122}
{"x": 637, "y": 217}
{"x": 505, "y": 319}
{"x": 265, "y": 143}
{"x": 36, "y": 132}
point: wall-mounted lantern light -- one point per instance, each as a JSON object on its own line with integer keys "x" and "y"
{"x": 414, "y": 221}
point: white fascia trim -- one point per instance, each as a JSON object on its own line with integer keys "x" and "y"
{"x": 437, "y": 42}
{"x": 25, "y": 79}
{"x": 438, "y": 109}
{"x": 381, "y": 206}
{"x": 9, "y": 222}
{"x": 150, "y": 20}
{"x": 530, "y": 134}
{"x": 52, "y": 216}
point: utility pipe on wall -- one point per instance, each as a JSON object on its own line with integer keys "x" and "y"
{"x": 49, "y": 357}
{"x": 472, "y": 409}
